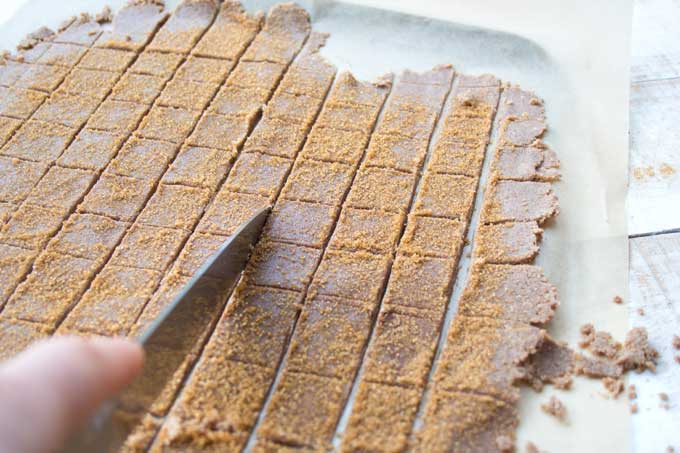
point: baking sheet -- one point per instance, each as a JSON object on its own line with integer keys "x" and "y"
{"x": 561, "y": 51}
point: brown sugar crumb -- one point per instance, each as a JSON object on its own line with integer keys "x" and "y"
{"x": 519, "y": 201}
{"x": 88, "y": 236}
{"x": 258, "y": 174}
{"x": 113, "y": 301}
{"x": 355, "y": 275}
{"x": 304, "y": 409}
{"x": 513, "y": 292}
{"x": 318, "y": 182}
{"x": 119, "y": 197}
{"x": 282, "y": 266}
{"x": 512, "y": 242}
{"x": 468, "y": 422}
{"x": 335, "y": 145}
{"x": 50, "y": 289}
{"x": 637, "y": 354}
{"x": 140, "y": 88}
{"x": 402, "y": 349}
{"x": 143, "y": 159}
{"x": 276, "y": 138}
{"x": 229, "y": 211}
{"x": 422, "y": 283}
{"x": 381, "y": 419}
{"x": 118, "y": 117}
{"x": 256, "y": 325}
{"x": 149, "y": 247}
{"x": 381, "y": 188}
{"x": 329, "y": 337}
{"x": 15, "y": 336}
{"x": 556, "y": 408}
{"x": 199, "y": 167}
{"x": 361, "y": 229}
{"x": 615, "y": 387}
{"x": 19, "y": 177}
{"x": 449, "y": 196}
{"x": 301, "y": 223}
{"x": 174, "y": 206}
{"x": 31, "y": 226}
{"x": 432, "y": 236}
{"x": 168, "y": 123}
{"x": 38, "y": 141}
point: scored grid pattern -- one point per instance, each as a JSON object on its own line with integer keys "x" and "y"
{"x": 328, "y": 302}
{"x": 79, "y": 47}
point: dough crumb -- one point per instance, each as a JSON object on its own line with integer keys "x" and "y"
{"x": 632, "y": 392}
{"x": 105, "y": 16}
{"x": 676, "y": 342}
{"x": 505, "y": 444}
{"x": 637, "y": 354}
{"x": 618, "y": 300}
{"x": 531, "y": 448}
{"x": 633, "y": 408}
{"x": 556, "y": 408}
{"x": 641, "y": 311}
{"x": 615, "y": 387}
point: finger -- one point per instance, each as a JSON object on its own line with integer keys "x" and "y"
{"x": 54, "y": 385}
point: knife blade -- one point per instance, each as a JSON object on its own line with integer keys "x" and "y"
{"x": 170, "y": 337}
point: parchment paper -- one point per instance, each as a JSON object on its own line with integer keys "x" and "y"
{"x": 573, "y": 54}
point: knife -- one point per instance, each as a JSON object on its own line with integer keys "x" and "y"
{"x": 169, "y": 338}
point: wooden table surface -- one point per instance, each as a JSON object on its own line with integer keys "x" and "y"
{"x": 654, "y": 213}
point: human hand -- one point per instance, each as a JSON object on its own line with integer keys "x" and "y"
{"x": 47, "y": 391}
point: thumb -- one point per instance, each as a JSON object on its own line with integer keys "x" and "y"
{"x": 48, "y": 390}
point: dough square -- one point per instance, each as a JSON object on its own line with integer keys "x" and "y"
{"x": 140, "y": 88}
{"x": 114, "y": 60}
{"x": 39, "y": 141}
{"x": 19, "y": 103}
{"x": 42, "y": 77}
{"x": 199, "y": 167}
{"x": 318, "y": 182}
{"x": 88, "y": 236}
{"x": 61, "y": 188}
{"x": 32, "y": 226}
{"x": 143, "y": 159}
{"x": 449, "y": 196}
{"x": 355, "y": 275}
{"x": 284, "y": 266}
{"x": 66, "y": 109}
{"x": 301, "y": 223}
{"x": 199, "y": 69}
{"x": 258, "y": 174}
{"x": 335, "y": 145}
{"x": 117, "y": 116}
{"x": 382, "y": 188}
{"x": 276, "y": 138}
{"x": 118, "y": 197}
{"x": 149, "y": 247}
{"x": 175, "y": 206}
{"x": 50, "y": 289}
{"x": 222, "y": 131}
{"x": 196, "y": 252}
{"x": 330, "y": 337}
{"x": 167, "y": 123}
{"x": 187, "y": 94}
{"x": 89, "y": 83}
{"x": 433, "y": 236}
{"x": 18, "y": 178}
{"x": 229, "y": 210}
{"x": 91, "y": 150}
{"x": 15, "y": 263}
{"x": 402, "y": 349}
